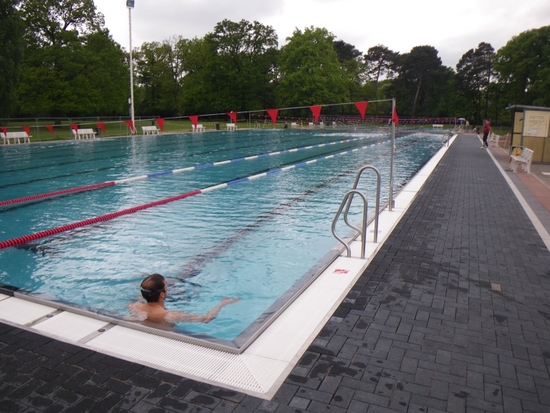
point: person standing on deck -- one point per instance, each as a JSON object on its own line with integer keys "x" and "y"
{"x": 486, "y": 131}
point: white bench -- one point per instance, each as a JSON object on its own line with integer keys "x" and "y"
{"x": 494, "y": 139}
{"x": 16, "y": 137}
{"x": 231, "y": 126}
{"x": 293, "y": 125}
{"x": 523, "y": 159}
{"x": 84, "y": 133}
{"x": 198, "y": 128}
{"x": 436, "y": 126}
{"x": 310, "y": 125}
{"x": 150, "y": 130}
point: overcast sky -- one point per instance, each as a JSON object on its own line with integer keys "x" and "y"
{"x": 452, "y": 27}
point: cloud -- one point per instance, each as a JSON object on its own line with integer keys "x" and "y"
{"x": 451, "y": 27}
{"x": 161, "y": 19}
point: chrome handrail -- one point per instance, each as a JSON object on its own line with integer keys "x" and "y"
{"x": 377, "y": 208}
{"x": 349, "y": 195}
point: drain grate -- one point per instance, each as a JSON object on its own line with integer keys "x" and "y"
{"x": 242, "y": 372}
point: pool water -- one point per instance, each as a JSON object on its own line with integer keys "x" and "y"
{"x": 254, "y": 240}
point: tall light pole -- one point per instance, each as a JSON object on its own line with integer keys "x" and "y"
{"x": 130, "y": 5}
{"x": 393, "y": 119}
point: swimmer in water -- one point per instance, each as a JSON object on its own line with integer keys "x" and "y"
{"x": 154, "y": 290}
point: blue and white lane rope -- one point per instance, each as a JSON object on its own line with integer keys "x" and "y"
{"x": 53, "y": 194}
{"x": 235, "y": 160}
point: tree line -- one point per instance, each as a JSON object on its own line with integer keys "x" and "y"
{"x": 59, "y": 60}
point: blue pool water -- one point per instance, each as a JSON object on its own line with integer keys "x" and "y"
{"x": 252, "y": 240}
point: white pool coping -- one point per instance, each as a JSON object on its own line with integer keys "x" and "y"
{"x": 263, "y": 367}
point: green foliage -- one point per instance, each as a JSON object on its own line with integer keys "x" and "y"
{"x": 159, "y": 73}
{"x": 379, "y": 64}
{"x": 309, "y": 70}
{"x": 473, "y": 77}
{"x": 244, "y": 65}
{"x": 11, "y": 32}
{"x": 523, "y": 68}
{"x": 421, "y": 82}
{"x": 72, "y": 66}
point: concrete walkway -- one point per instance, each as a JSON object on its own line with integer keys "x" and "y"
{"x": 452, "y": 315}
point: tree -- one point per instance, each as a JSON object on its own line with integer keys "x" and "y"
{"x": 352, "y": 67}
{"x": 523, "y": 68}
{"x": 52, "y": 22}
{"x": 72, "y": 66}
{"x": 310, "y": 72}
{"x": 379, "y": 62}
{"x": 11, "y": 32}
{"x": 159, "y": 74}
{"x": 241, "y": 65}
{"x": 473, "y": 77}
{"x": 195, "y": 94}
{"x": 422, "y": 81}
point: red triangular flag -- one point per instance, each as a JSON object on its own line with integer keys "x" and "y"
{"x": 130, "y": 124}
{"x": 273, "y": 113}
{"x": 4, "y": 129}
{"x": 316, "y": 110}
{"x": 362, "y": 108}
{"x": 160, "y": 122}
{"x": 395, "y": 118}
{"x": 50, "y": 128}
{"x": 233, "y": 116}
{"x": 101, "y": 126}
{"x": 74, "y": 127}
{"x": 27, "y": 129}
{"x": 194, "y": 120}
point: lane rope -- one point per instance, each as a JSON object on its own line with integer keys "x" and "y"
{"x": 47, "y": 233}
{"x": 38, "y": 197}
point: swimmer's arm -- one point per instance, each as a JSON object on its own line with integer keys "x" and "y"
{"x": 179, "y": 317}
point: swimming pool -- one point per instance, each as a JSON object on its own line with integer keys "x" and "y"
{"x": 255, "y": 239}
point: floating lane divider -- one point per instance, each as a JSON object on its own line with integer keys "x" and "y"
{"x": 38, "y": 197}
{"x": 50, "y": 232}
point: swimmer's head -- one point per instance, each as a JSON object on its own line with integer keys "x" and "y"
{"x": 152, "y": 287}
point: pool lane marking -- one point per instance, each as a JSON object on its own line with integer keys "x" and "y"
{"x": 106, "y": 184}
{"x": 107, "y": 217}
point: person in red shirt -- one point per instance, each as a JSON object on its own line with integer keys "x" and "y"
{"x": 486, "y": 131}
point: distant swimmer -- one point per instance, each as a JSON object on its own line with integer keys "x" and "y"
{"x": 154, "y": 291}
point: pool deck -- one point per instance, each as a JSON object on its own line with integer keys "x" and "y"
{"x": 451, "y": 315}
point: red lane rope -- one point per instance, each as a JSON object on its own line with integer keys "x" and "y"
{"x": 57, "y": 193}
{"x": 47, "y": 233}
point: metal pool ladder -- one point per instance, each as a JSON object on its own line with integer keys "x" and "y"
{"x": 346, "y": 203}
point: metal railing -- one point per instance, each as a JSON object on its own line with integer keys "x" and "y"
{"x": 346, "y": 205}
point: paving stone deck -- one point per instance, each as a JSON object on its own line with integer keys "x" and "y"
{"x": 452, "y": 315}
